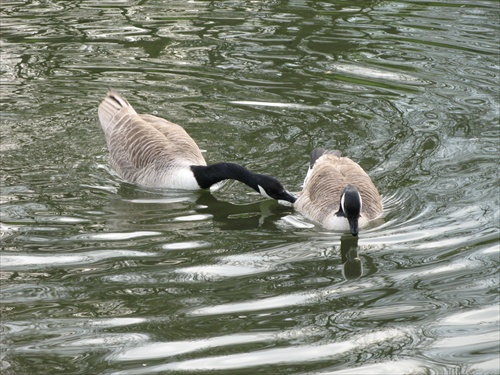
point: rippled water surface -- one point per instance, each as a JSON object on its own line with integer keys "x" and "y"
{"x": 102, "y": 277}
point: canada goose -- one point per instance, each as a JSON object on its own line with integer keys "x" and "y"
{"x": 338, "y": 193}
{"x": 153, "y": 152}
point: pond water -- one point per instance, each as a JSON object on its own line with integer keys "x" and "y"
{"x": 101, "y": 277}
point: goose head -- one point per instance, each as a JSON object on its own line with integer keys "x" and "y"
{"x": 270, "y": 187}
{"x": 350, "y": 207}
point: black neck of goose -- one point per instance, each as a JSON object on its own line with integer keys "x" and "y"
{"x": 208, "y": 175}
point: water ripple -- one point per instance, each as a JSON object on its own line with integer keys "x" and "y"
{"x": 99, "y": 274}
{"x": 292, "y": 354}
{"x": 18, "y": 261}
{"x": 281, "y": 301}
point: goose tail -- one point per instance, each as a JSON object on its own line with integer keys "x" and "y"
{"x": 315, "y": 155}
{"x": 110, "y": 107}
{"x": 319, "y": 152}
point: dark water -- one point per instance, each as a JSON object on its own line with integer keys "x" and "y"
{"x": 101, "y": 277}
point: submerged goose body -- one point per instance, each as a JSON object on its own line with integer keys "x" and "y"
{"x": 338, "y": 193}
{"x": 156, "y": 153}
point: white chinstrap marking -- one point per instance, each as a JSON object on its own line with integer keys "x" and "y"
{"x": 263, "y": 192}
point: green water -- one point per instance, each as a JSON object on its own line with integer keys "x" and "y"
{"x": 102, "y": 277}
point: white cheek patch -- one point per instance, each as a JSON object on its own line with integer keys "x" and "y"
{"x": 342, "y": 199}
{"x": 263, "y": 192}
{"x": 360, "y": 203}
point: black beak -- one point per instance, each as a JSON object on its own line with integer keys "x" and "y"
{"x": 286, "y": 196}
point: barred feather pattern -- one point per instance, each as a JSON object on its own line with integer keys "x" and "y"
{"x": 323, "y": 186}
{"x": 148, "y": 150}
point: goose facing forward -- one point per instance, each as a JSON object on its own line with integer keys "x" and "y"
{"x": 153, "y": 152}
{"x": 338, "y": 193}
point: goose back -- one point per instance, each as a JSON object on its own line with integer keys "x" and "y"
{"x": 328, "y": 175}
{"x": 146, "y": 149}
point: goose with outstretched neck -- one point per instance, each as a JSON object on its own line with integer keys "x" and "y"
{"x": 152, "y": 152}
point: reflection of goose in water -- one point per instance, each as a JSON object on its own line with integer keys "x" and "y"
{"x": 152, "y": 152}
{"x": 338, "y": 193}
{"x": 178, "y": 208}
{"x": 241, "y": 216}
{"x": 352, "y": 267}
